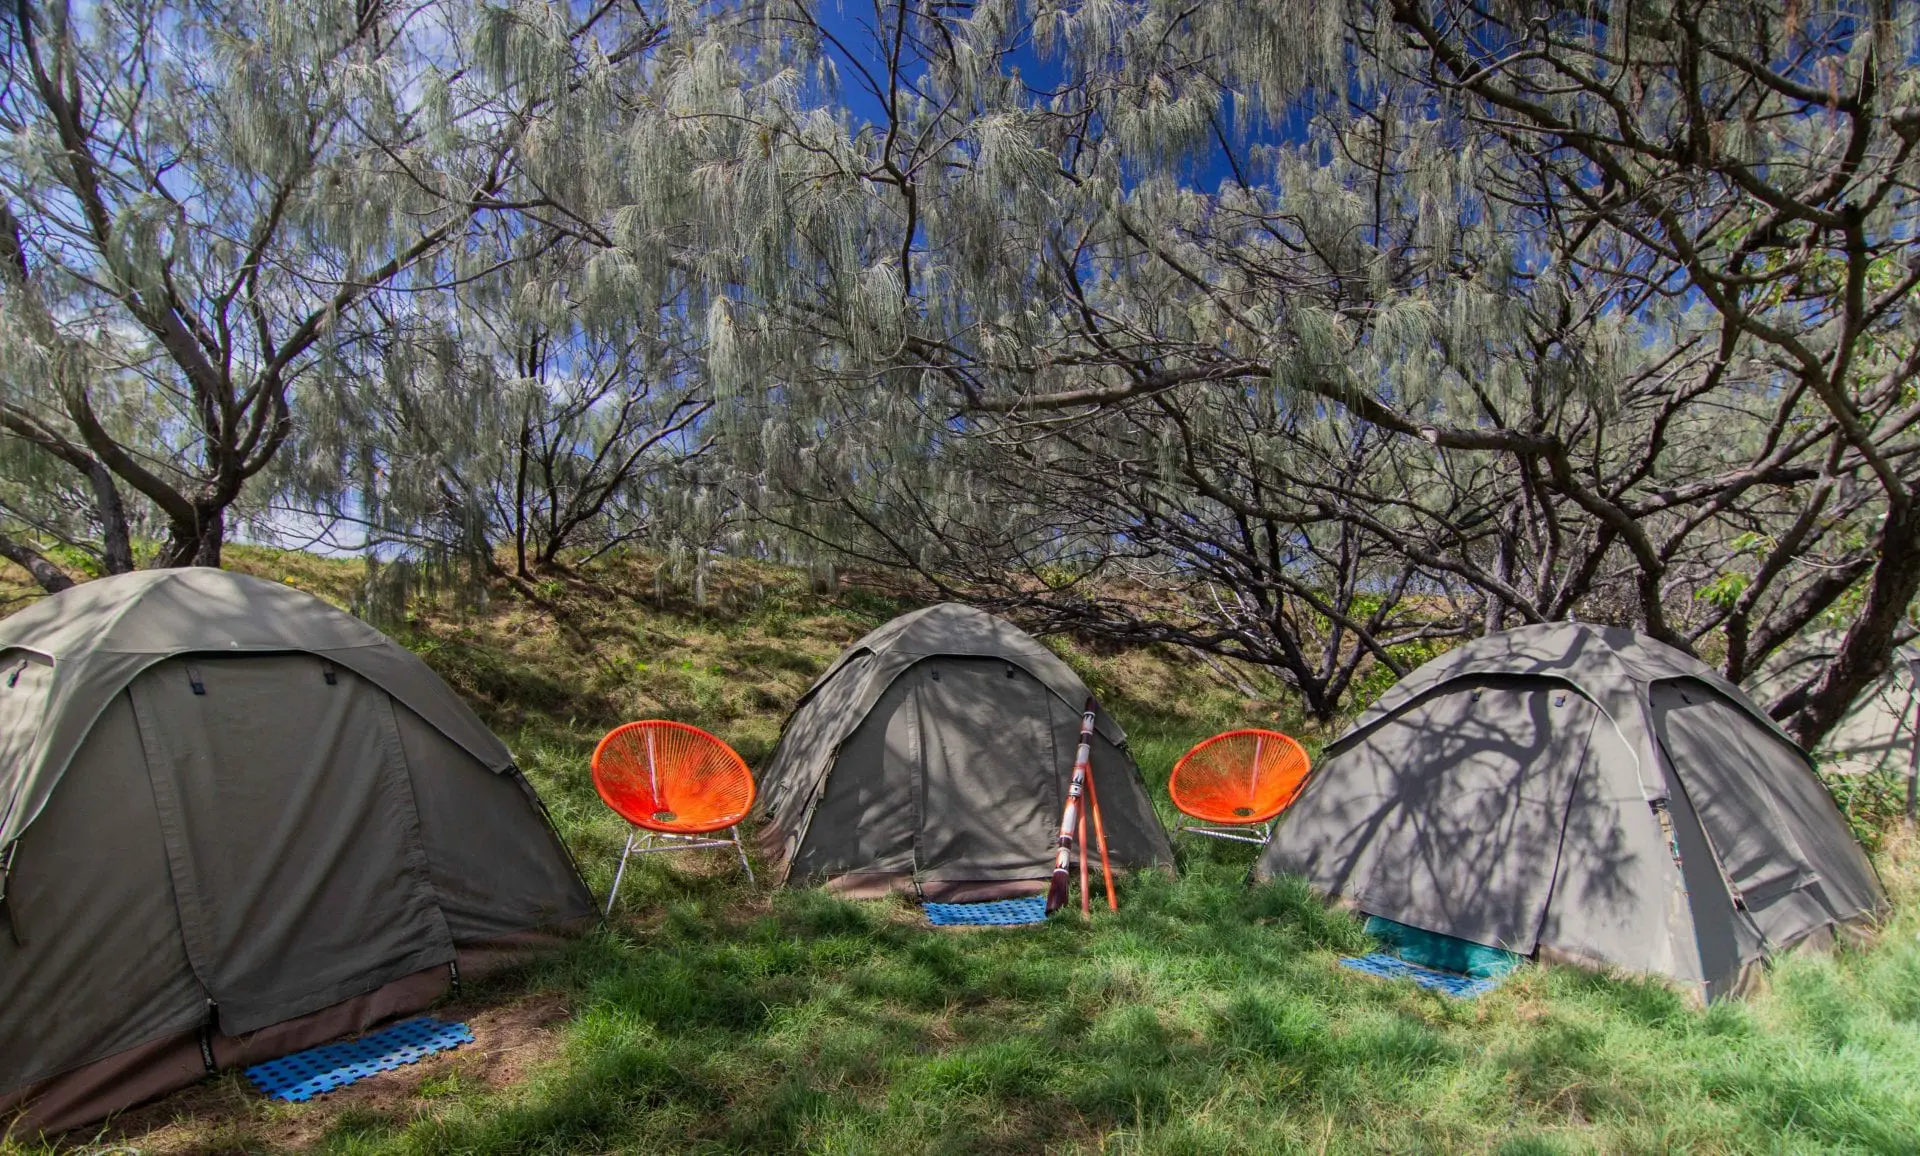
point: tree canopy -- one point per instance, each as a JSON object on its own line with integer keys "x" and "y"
{"x": 1309, "y": 335}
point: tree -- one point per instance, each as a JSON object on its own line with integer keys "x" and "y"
{"x": 1637, "y": 358}
{"x": 1339, "y": 329}
{"x": 193, "y": 198}
{"x": 1756, "y": 160}
{"x": 508, "y": 418}
{"x": 546, "y": 395}
{"x": 1031, "y": 356}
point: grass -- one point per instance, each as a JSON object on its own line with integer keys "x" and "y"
{"x": 1207, "y": 1016}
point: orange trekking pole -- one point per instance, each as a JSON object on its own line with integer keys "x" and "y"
{"x": 1080, "y": 843}
{"x": 1100, "y": 836}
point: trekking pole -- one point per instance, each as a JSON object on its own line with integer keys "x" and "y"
{"x": 1070, "y": 816}
{"x": 1080, "y": 840}
{"x": 1100, "y": 836}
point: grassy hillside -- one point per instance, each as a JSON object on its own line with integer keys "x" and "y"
{"x": 1206, "y": 1016}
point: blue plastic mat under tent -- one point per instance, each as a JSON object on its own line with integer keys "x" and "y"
{"x": 1430, "y": 949}
{"x": 1000, "y": 913}
{"x": 1387, "y": 967}
{"x": 303, "y": 1075}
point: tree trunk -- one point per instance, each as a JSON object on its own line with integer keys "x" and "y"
{"x": 1868, "y": 645}
{"x": 1496, "y": 610}
{"x": 50, "y": 577}
{"x": 520, "y": 495}
{"x": 212, "y": 537}
{"x": 116, "y": 541}
{"x": 1313, "y": 689}
{"x": 197, "y": 543}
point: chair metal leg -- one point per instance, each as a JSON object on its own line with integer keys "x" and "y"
{"x": 641, "y": 841}
{"x": 1262, "y": 832}
{"x": 738, "y": 846}
{"x": 620, "y": 871}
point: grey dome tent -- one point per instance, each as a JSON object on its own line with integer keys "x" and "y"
{"x": 1877, "y": 732}
{"x": 934, "y": 756}
{"x": 1583, "y": 794}
{"x": 238, "y": 822}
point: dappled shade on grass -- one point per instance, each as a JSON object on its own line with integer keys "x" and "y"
{"x": 1206, "y": 1016}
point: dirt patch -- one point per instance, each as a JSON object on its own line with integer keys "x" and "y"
{"x": 225, "y": 1114}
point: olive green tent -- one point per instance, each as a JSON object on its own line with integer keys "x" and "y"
{"x": 238, "y": 822}
{"x": 934, "y": 756}
{"x": 1586, "y": 794}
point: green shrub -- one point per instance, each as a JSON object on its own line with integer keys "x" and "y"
{"x": 1874, "y": 803}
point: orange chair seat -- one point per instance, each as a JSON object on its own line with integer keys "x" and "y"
{"x": 1243, "y": 777}
{"x": 672, "y": 778}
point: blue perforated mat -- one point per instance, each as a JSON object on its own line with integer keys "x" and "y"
{"x": 1387, "y": 967}
{"x": 1002, "y": 913}
{"x": 304, "y": 1075}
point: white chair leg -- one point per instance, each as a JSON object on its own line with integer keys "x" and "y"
{"x": 738, "y": 846}
{"x": 620, "y": 871}
{"x": 1261, "y": 833}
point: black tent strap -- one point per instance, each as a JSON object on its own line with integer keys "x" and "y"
{"x": 206, "y": 1037}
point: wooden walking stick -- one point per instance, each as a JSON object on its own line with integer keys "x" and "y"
{"x": 1070, "y": 817}
{"x": 1100, "y": 836}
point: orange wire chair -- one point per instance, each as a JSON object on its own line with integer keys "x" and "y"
{"x": 1235, "y": 783}
{"x": 676, "y": 784}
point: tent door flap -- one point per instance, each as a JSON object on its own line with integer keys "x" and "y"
{"x": 986, "y": 790}
{"x": 1468, "y": 811}
{"x": 290, "y": 831}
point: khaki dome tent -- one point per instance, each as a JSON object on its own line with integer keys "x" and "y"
{"x": 238, "y": 822}
{"x": 934, "y": 755}
{"x": 1585, "y": 794}
{"x": 1877, "y": 732}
